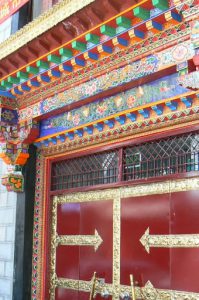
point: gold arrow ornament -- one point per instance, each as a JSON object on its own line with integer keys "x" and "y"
{"x": 80, "y": 240}
{"x": 169, "y": 241}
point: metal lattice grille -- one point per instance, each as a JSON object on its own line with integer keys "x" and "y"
{"x": 89, "y": 170}
{"x": 169, "y": 156}
{"x": 174, "y": 155}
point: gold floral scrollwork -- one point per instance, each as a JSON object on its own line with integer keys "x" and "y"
{"x": 77, "y": 285}
{"x": 84, "y": 286}
{"x": 149, "y": 292}
{"x": 116, "y": 246}
{"x": 164, "y": 187}
{"x": 53, "y": 245}
{"x": 169, "y": 240}
{"x": 184, "y": 185}
{"x": 88, "y": 197}
{"x": 80, "y": 240}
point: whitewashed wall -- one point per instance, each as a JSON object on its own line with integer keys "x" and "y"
{"x": 7, "y": 236}
{"x": 5, "y": 29}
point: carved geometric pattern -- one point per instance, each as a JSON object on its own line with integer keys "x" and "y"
{"x": 37, "y": 228}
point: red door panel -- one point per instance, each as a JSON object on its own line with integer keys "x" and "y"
{"x": 185, "y": 261}
{"x": 137, "y": 215}
{"x": 68, "y": 218}
{"x": 97, "y": 215}
{"x": 80, "y": 262}
{"x": 64, "y": 294}
{"x": 67, "y": 258}
{"x": 68, "y": 223}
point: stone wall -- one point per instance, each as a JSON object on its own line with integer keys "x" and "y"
{"x": 7, "y": 237}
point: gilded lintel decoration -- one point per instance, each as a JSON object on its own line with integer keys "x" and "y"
{"x": 161, "y": 188}
{"x": 47, "y": 20}
{"x": 147, "y": 292}
{"x": 90, "y": 196}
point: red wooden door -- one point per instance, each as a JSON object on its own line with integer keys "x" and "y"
{"x": 108, "y": 236}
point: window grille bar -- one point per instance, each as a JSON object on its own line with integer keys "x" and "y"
{"x": 91, "y": 170}
{"x": 174, "y": 155}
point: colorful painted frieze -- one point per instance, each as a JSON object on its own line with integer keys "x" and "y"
{"x": 164, "y": 88}
{"x": 128, "y": 73}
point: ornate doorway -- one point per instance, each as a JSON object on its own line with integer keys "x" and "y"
{"x": 138, "y": 242}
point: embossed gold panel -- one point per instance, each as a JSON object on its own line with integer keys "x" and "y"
{"x": 117, "y": 287}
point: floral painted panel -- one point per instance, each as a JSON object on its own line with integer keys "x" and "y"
{"x": 117, "y": 77}
{"x": 195, "y": 33}
{"x": 112, "y": 79}
{"x": 130, "y": 72}
{"x": 9, "y": 116}
{"x": 160, "y": 89}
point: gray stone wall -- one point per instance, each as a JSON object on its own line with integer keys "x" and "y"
{"x": 7, "y": 238}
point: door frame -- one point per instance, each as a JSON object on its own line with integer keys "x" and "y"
{"x": 43, "y": 199}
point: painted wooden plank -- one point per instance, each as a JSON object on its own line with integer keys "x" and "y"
{"x": 141, "y": 13}
{"x": 108, "y": 30}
